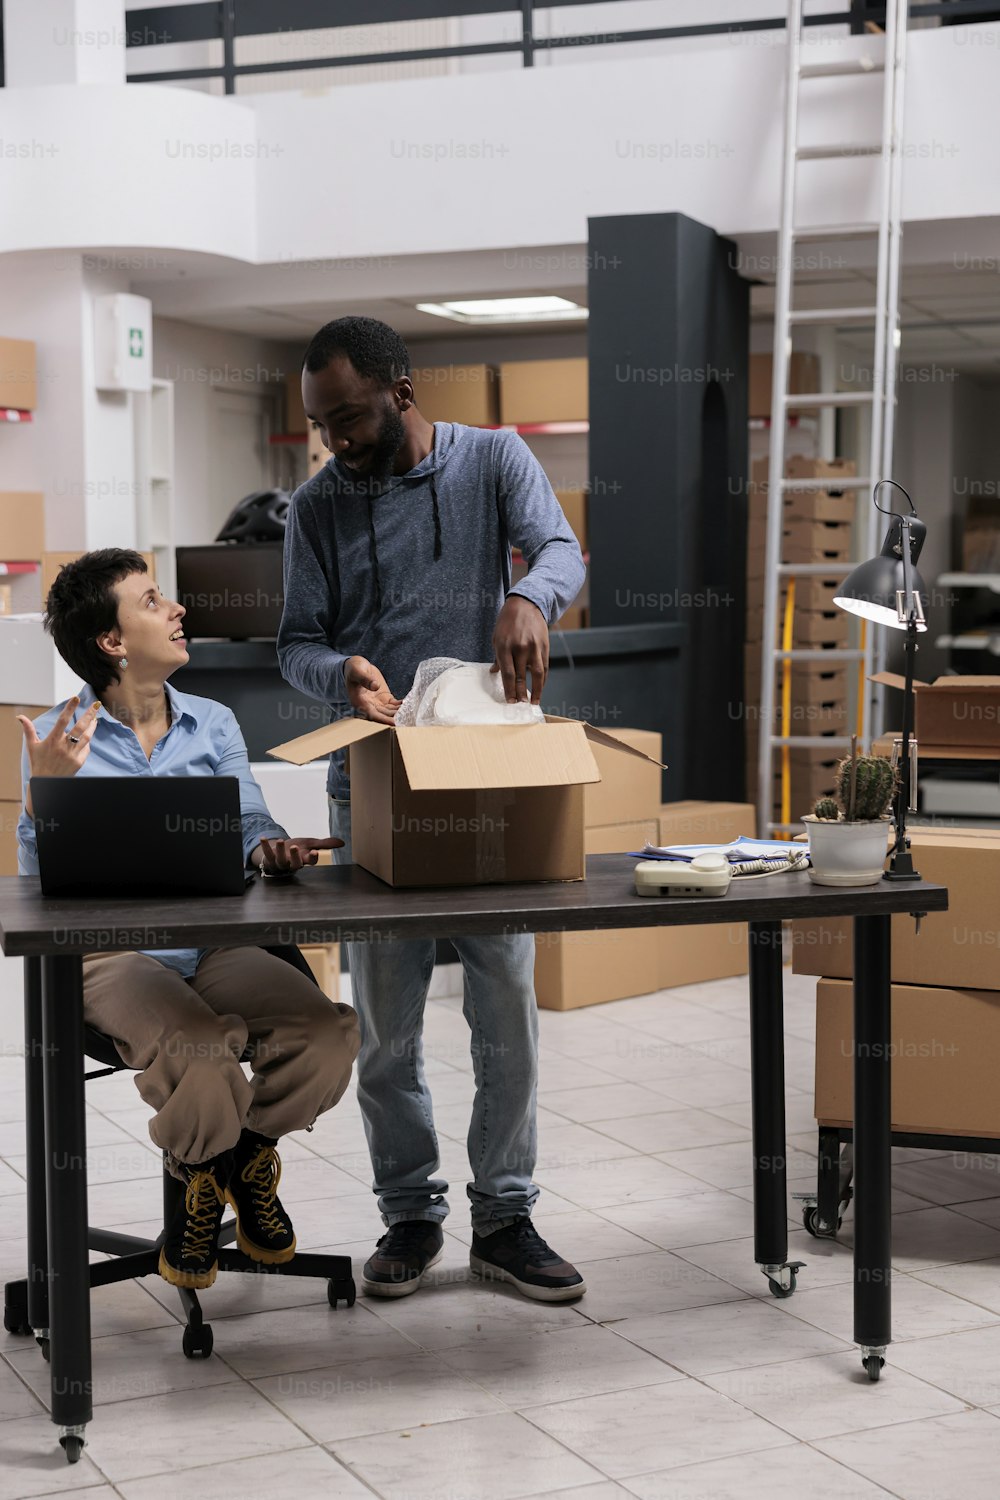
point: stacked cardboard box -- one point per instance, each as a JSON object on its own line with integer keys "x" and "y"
{"x": 10, "y": 778}
{"x": 816, "y": 528}
{"x": 18, "y": 375}
{"x": 543, "y": 390}
{"x": 945, "y": 996}
{"x": 22, "y": 544}
{"x": 622, "y": 812}
{"x": 324, "y": 960}
{"x": 574, "y": 506}
{"x": 803, "y": 378}
{"x": 458, "y": 393}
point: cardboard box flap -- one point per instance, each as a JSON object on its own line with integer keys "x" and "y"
{"x": 893, "y": 680}
{"x": 481, "y": 757}
{"x": 979, "y": 684}
{"x": 608, "y": 739}
{"x": 322, "y": 741}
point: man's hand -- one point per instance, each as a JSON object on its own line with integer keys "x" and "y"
{"x": 520, "y": 646}
{"x": 57, "y": 754}
{"x": 285, "y": 856}
{"x": 368, "y": 691}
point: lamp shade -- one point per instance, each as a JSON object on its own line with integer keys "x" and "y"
{"x": 871, "y": 591}
{"x": 876, "y": 589}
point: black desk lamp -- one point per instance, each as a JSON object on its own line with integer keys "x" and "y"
{"x": 888, "y": 590}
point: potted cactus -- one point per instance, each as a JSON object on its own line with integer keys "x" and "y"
{"x": 849, "y": 832}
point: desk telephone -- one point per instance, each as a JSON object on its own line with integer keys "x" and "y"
{"x": 710, "y": 874}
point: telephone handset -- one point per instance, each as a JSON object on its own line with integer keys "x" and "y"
{"x": 709, "y": 874}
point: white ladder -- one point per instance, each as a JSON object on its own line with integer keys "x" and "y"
{"x": 884, "y": 314}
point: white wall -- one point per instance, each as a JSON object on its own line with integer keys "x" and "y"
{"x": 478, "y": 161}
{"x": 200, "y": 361}
{"x": 78, "y": 449}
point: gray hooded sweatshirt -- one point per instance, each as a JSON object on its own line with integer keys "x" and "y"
{"x": 420, "y": 569}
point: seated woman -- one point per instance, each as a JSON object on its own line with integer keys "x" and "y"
{"x": 183, "y": 1017}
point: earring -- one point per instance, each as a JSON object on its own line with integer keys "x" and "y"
{"x": 123, "y": 661}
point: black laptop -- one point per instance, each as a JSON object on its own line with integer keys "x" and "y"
{"x": 139, "y": 835}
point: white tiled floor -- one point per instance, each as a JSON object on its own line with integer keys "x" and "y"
{"x": 678, "y": 1377}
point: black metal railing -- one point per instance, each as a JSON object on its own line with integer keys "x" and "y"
{"x": 229, "y": 20}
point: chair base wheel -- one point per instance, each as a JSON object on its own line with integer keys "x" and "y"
{"x": 341, "y": 1291}
{"x": 197, "y": 1343}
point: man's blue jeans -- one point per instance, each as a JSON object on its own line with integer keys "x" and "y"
{"x": 390, "y": 982}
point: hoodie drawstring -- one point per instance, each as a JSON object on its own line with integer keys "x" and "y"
{"x": 437, "y": 519}
{"x": 373, "y": 546}
{"x": 373, "y": 557}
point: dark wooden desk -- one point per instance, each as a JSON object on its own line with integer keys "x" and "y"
{"x": 340, "y": 904}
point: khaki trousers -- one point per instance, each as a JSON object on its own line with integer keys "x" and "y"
{"x": 186, "y": 1038}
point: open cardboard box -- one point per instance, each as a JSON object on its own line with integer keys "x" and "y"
{"x": 953, "y": 710}
{"x": 465, "y": 805}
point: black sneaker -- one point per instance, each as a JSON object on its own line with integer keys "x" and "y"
{"x": 263, "y": 1229}
{"x": 401, "y": 1258}
{"x": 518, "y": 1254}
{"x": 189, "y": 1253}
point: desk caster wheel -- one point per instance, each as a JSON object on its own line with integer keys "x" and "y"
{"x": 45, "y": 1346}
{"x": 197, "y": 1342}
{"x": 873, "y": 1364}
{"x": 816, "y": 1226}
{"x": 781, "y": 1279}
{"x": 72, "y": 1444}
{"x": 15, "y": 1311}
{"x": 337, "y": 1291}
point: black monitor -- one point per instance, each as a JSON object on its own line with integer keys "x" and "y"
{"x": 231, "y": 590}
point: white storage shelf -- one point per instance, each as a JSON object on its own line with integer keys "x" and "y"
{"x": 31, "y": 669}
{"x": 154, "y": 469}
{"x": 970, "y": 581}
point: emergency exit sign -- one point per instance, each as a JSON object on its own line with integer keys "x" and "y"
{"x": 123, "y": 342}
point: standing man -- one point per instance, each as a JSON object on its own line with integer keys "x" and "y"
{"x": 399, "y": 549}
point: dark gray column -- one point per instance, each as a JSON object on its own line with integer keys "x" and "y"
{"x": 668, "y": 337}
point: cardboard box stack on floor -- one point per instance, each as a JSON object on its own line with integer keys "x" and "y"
{"x": 817, "y": 527}
{"x": 945, "y": 996}
{"x": 622, "y": 812}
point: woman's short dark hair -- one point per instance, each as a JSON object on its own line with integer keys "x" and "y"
{"x": 82, "y": 605}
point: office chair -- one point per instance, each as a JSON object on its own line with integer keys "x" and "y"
{"x": 134, "y": 1256}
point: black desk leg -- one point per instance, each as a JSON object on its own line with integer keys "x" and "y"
{"x": 26, "y": 1303}
{"x": 767, "y": 1063}
{"x": 872, "y": 1140}
{"x": 66, "y": 1182}
{"x": 34, "y": 1128}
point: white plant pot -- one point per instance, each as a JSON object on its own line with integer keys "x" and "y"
{"x": 847, "y": 853}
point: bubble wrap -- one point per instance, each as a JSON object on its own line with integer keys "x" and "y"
{"x": 446, "y": 691}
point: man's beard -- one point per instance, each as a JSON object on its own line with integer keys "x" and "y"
{"x": 391, "y": 436}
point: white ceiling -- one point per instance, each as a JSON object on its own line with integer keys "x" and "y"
{"x": 949, "y": 306}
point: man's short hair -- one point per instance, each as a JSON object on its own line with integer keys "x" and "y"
{"x": 82, "y": 605}
{"x": 373, "y": 348}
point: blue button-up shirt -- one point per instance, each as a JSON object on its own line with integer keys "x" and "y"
{"x": 204, "y": 739}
